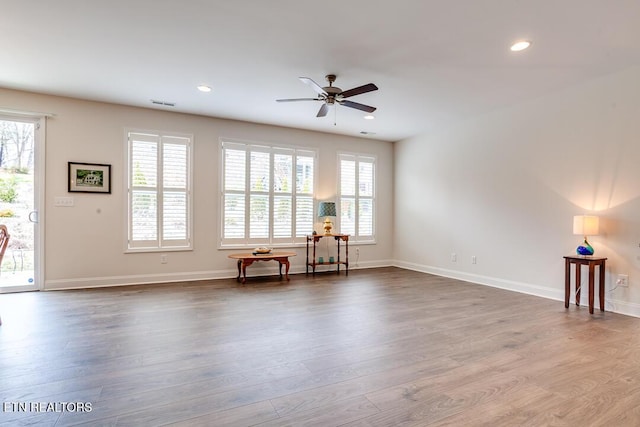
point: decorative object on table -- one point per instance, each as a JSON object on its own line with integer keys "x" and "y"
{"x": 89, "y": 178}
{"x": 320, "y": 260}
{"x": 261, "y": 251}
{"x": 327, "y": 209}
{"x": 586, "y": 225}
{"x": 332, "y": 259}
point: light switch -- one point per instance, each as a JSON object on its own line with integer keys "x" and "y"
{"x": 65, "y": 202}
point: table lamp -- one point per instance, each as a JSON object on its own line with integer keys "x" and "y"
{"x": 327, "y": 209}
{"x": 585, "y": 225}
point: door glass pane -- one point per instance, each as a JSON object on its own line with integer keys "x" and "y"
{"x": 17, "y": 202}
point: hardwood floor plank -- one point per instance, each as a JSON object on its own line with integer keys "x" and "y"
{"x": 378, "y": 347}
{"x": 335, "y": 414}
{"x": 252, "y": 414}
{"x": 334, "y": 392}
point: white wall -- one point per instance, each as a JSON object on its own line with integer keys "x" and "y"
{"x": 504, "y": 188}
{"x": 85, "y": 244}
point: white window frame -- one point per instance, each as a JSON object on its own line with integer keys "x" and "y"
{"x": 159, "y": 244}
{"x": 358, "y": 158}
{"x": 272, "y": 149}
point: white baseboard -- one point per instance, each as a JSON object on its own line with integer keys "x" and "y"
{"x": 141, "y": 279}
{"x": 622, "y": 307}
{"x": 613, "y": 305}
{"x": 190, "y": 276}
{"x": 525, "y": 288}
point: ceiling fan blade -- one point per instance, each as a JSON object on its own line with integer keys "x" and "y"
{"x": 323, "y": 111}
{"x": 315, "y": 86}
{"x": 298, "y": 99}
{"x": 357, "y": 106}
{"x": 358, "y": 90}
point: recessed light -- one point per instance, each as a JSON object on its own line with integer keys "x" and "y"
{"x": 369, "y": 117}
{"x": 520, "y": 45}
{"x": 204, "y": 88}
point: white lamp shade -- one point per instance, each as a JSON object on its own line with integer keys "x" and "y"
{"x": 586, "y": 225}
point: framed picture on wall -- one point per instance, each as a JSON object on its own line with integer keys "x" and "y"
{"x": 89, "y": 178}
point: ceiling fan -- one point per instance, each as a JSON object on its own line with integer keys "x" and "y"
{"x": 331, "y": 95}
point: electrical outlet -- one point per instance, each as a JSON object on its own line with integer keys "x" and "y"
{"x": 623, "y": 280}
{"x": 473, "y": 259}
{"x": 164, "y": 259}
{"x": 454, "y": 257}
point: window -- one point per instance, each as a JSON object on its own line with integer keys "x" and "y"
{"x": 357, "y": 196}
{"x": 267, "y": 194}
{"x": 159, "y": 191}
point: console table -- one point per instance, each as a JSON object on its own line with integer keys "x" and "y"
{"x": 313, "y": 240}
{"x": 245, "y": 260}
{"x": 579, "y": 261}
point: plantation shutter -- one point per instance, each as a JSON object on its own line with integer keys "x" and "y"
{"x": 267, "y": 194}
{"x": 357, "y": 196}
{"x": 159, "y": 176}
{"x": 348, "y": 195}
{"x": 365, "y": 197}
{"x": 234, "y": 194}
{"x": 305, "y": 172}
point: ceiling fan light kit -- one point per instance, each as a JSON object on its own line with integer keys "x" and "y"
{"x": 331, "y": 95}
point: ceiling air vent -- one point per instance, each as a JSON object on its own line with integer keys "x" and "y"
{"x": 165, "y": 103}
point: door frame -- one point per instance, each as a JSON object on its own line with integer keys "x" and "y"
{"x": 39, "y": 160}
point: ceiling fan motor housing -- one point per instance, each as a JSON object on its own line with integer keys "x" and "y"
{"x": 331, "y": 90}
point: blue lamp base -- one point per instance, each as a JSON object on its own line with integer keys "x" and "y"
{"x": 585, "y": 248}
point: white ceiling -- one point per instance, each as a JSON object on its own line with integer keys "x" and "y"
{"x": 435, "y": 61}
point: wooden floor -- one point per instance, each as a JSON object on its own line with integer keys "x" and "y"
{"x": 381, "y": 347}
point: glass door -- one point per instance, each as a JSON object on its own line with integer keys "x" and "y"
{"x": 19, "y": 200}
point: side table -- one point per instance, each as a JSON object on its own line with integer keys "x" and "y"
{"x": 312, "y": 240}
{"x": 579, "y": 261}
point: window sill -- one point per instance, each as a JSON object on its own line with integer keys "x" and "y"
{"x": 255, "y": 245}
{"x": 286, "y": 245}
{"x": 156, "y": 250}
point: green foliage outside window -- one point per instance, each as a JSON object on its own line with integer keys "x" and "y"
{"x": 8, "y": 189}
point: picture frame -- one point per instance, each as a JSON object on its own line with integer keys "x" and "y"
{"x": 89, "y": 178}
